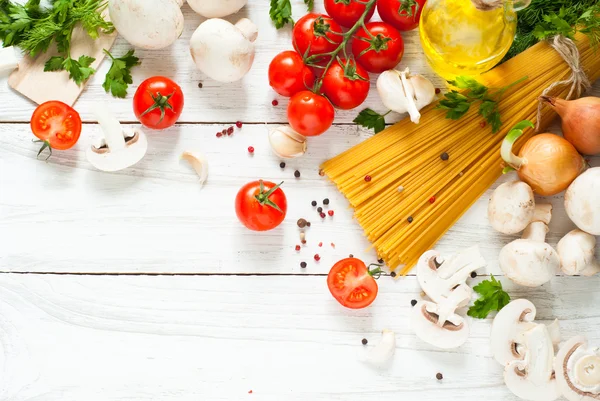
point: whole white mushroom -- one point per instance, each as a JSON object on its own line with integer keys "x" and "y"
{"x": 577, "y": 254}
{"x": 582, "y": 201}
{"x": 147, "y": 24}
{"x": 223, "y": 51}
{"x": 216, "y": 8}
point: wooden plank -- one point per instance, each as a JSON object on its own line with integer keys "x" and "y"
{"x": 64, "y": 216}
{"x": 68, "y": 338}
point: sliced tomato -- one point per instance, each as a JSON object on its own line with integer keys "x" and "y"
{"x": 57, "y": 125}
{"x": 352, "y": 284}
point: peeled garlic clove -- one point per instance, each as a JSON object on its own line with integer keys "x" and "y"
{"x": 199, "y": 163}
{"x": 379, "y": 355}
{"x": 286, "y": 142}
{"x": 405, "y": 93}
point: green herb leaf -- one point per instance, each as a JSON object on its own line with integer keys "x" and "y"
{"x": 492, "y": 298}
{"x": 310, "y": 4}
{"x": 371, "y": 119}
{"x": 119, "y": 77}
{"x": 281, "y": 13}
{"x": 54, "y": 64}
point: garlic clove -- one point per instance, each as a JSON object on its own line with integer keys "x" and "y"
{"x": 405, "y": 93}
{"x": 381, "y": 354}
{"x": 286, "y": 142}
{"x": 198, "y": 163}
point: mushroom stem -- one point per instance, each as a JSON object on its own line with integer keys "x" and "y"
{"x": 542, "y": 213}
{"x": 248, "y": 29}
{"x": 536, "y": 231}
{"x": 506, "y": 151}
{"x": 113, "y": 133}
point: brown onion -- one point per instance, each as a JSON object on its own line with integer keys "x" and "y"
{"x": 580, "y": 122}
{"x": 547, "y": 162}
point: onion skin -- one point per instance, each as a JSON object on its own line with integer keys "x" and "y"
{"x": 580, "y": 122}
{"x": 550, "y": 164}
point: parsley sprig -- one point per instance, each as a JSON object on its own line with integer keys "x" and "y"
{"x": 281, "y": 12}
{"x": 371, "y": 119}
{"x": 33, "y": 29}
{"x": 493, "y": 298}
{"x": 458, "y": 103}
{"x": 564, "y": 24}
{"x": 119, "y": 77}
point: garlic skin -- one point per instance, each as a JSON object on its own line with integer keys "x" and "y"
{"x": 404, "y": 93}
{"x": 199, "y": 163}
{"x": 286, "y": 142}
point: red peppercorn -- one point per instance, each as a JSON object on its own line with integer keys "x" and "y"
{"x": 238, "y": 124}
{"x": 230, "y": 130}
{"x": 219, "y": 135}
{"x": 438, "y": 91}
{"x": 482, "y": 124}
{"x": 432, "y": 199}
{"x": 330, "y": 212}
{"x": 303, "y": 241}
{"x": 317, "y": 257}
{"x": 274, "y": 102}
{"x": 368, "y": 178}
{"x": 297, "y": 247}
{"x": 333, "y": 245}
{"x": 322, "y": 215}
{"x": 250, "y": 149}
{"x": 320, "y": 244}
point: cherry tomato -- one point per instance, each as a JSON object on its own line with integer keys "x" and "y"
{"x": 288, "y": 75}
{"x": 310, "y": 114}
{"x": 346, "y": 85}
{"x": 347, "y": 12}
{"x": 319, "y": 33}
{"x": 380, "y": 49}
{"x": 261, "y": 205}
{"x": 158, "y": 102}
{"x": 57, "y": 126}
{"x": 352, "y": 284}
{"x": 401, "y": 14}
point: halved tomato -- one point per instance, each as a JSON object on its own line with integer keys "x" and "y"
{"x": 352, "y": 283}
{"x": 57, "y": 125}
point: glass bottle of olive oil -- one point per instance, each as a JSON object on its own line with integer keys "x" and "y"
{"x": 467, "y": 37}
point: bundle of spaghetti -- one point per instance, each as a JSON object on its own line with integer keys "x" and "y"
{"x": 413, "y": 196}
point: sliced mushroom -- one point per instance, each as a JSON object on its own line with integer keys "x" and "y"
{"x": 530, "y": 261}
{"x": 577, "y": 368}
{"x": 577, "y": 254}
{"x": 118, "y": 149}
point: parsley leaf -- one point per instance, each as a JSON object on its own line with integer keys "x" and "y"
{"x": 371, "y": 119}
{"x": 79, "y": 70}
{"x": 119, "y": 77}
{"x": 310, "y": 4}
{"x": 493, "y": 298}
{"x": 281, "y": 11}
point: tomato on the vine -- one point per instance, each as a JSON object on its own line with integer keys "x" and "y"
{"x": 56, "y": 125}
{"x": 261, "y": 205}
{"x": 346, "y": 85}
{"x": 310, "y": 114}
{"x": 288, "y": 75}
{"x": 401, "y": 14}
{"x": 378, "y": 48}
{"x": 158, "y": 102}
{"x": 347, "y": 12}
{"x": 352, "y": 284}
{"x": 316, "y": 34}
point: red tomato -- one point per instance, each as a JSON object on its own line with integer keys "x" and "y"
{"x": 288, "y": 75}
{"x": 351, "y": 283}
{"x": 379, "y": 51}
{"x": 319, "y": 32}
{"x": 346, "y": 85}
{"x": 347, "y": 12}
{"x": 158, "y": 102}
{"x": 401, "y": 14}
{"x": 310, "y": 114}
{"x": 261, "y": 205}
{"x": 57, "y": 125}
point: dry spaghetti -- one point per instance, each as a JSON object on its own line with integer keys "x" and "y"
{"x": 413, "y": 196}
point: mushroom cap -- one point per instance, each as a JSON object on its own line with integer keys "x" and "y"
{"x": 106, "y": 159}
{"x": 147, "y": 24}
{"x": 582, "y": 201}
{"x": 511, "y": 207}
{"x": 508, "y": 328}
{"x": 424, "y": 322}
{"x": 529, "y": 263}
{"x": 216, "y": 8}
{"x": 223, "y": 51}
{"x": 577, "y": 370}
{"x": 531, "y": 378}
{"x": 577, "y": 254}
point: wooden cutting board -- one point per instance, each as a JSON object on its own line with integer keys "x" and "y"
{"x": 39, "y": 86}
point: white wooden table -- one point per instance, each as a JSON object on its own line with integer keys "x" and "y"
{"x": 139, "y": 285}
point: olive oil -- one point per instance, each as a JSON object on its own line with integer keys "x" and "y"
{"x": 460, "y": 39}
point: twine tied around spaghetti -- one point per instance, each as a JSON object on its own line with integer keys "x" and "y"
{"x": 579, "y": 81}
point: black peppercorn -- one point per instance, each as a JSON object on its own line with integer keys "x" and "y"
{"x": 326, "y": 201}
{"x": 320, "y": 209}
{"x": 303, "y": 265}
{"x": 297, "y": 174}
{"x": 282, "y": 164}
{"x": 439, "y": 376}
{"x": 444, "y": 156}
{"x": 314, "y": 203}
{"x": 473, "y": 274}
{"x": 351, "y": 256}
{"x": 364, "y": 341}
{"x": 308, "y": 224}
{"x": 393, "y": 274}
{"x": 200, "y": 85}
{"x": 413, "y": 302}
{"x": 380, "y": 261}
{"x": 410, "y": 219}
